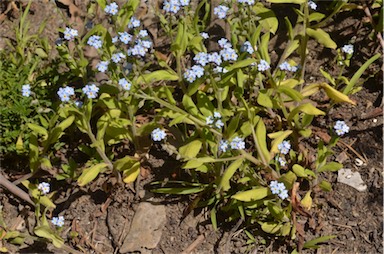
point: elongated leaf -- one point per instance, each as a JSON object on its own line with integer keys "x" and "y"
{"x": 241, "y": 64}
{"x": 195, "y": 163}
{"x": 189, "y": 105}
{"x": 336, "y": 95}
{"x": 261, "y": 136}
{"x": 264, "y": 99}
{"x": 331, "y": 166}
{"x": 48, "y": 233}
{"x": 264, "y": 47}
{"x": 292, "y": 93}
{"x": 270, "y": 227}
{"x": 306, "y": 202}
{"x": 131, "y": 173}
{"x": 278, "y": 137}
{"x": 267, "y": 18}
{"x": 229, "y": 172}
{"x": 155, "y": 76}
{"x": 299, "y": 170}
{"x": 322, "y": 37}
{"x": 204, "y": 104}
{"x": 191, "y": 149}
{"x": 90, "y": 173}
{"x": 314, "y": 242}
{"x": 252, "y": 195}
{"x": 179, "y": 191}
{"x": 286, "y": 1}
{"x": 307, "y": 108}
{"x": 38, "y": 129}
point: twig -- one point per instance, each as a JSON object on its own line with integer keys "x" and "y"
{"x": 15, "y": 190}
{"x": 193, "y": 245}
{"x": 231, "y": 233}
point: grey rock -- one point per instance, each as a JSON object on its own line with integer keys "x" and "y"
{"x": 146, "y": 228}
{"x": 352, "y": 179}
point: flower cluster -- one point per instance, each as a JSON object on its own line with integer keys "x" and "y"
{"x": 58, "y": 221}
{"x": 44, "y": 188}
{"x": 133, "y": 22}
{"x": 125, "y": 84}
{"x": 111, "y": 9}
{"x": 279, "y": 189}
{"x": 117, "y": 57}
{"x": 341, "y": 128}
{"x": 158, "y": 134}
{"x": 125, "y": 37}
{"x": 26, "y": 90}
{"x": 227, "y": 52}
{"x": 102, "y": 66}
{"x": 95, "y": 41}
{"x": 90, "y": 91}
{"x": 263, "y": 65}
{"x": 247, "y": 47}
{"x": 70, "y": 34}
{"x": 215, "y": 120}
{"x": 174, "y": 5}
{"x": 285, "y": 66}
{"x": 65, "y": 93}
{"x": 221, "y": 11}
{"x": 348, "y": 49}
{"x": 237, "y": 143}
{"x": 312, "y": 5}
{"x": 193, "y": 73}
{"x": 284, "y": 147}
{"x": 140, "y": 48}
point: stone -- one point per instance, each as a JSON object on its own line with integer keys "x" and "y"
{"x": 146, "y": 228}
{"x": 352, "y": 179}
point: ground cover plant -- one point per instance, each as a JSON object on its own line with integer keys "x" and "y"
{"x": 240, "y": 121}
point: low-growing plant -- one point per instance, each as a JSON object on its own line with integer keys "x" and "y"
{"x": 239, "y": 123}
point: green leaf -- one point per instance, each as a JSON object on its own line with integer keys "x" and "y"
{"x": 90, "y": 173}
{"x": 336, "y": 95}
{"x": 267, "y": 18}
{"x": 292, "y": 93}
{"x": 316, "y": 16}
{"x": 160, "y": 75}
{"x": 38, "y": 129}
{"x": 325, "y": 185}
{"x": 48, "y": 233}
{"x": 191, "y": 149}
{"x": 306, "y": 202}
{"x": 360, "y": 72}
{"x": 204, "y": 104}
{"x": 264, "y": 47}
{"x": 189, "y": 105}
{"x": 241, "y": 64}
{"x": 131, "y": 173}
{"x": 307, "y": 108}
{"x": 275, "y": 210}
{"x": 261, "y": 136}
{"x": 257, "y": 193}
{"x": 299, "y": 170}
{"x": 179, "y": 191}
{"x": 271, "y": 227}
{"x": 322, "y": 37}
{"x": 229, "y": 172}
{"x": 288, "y": 179}
{"x": 331, "y": 166}
{"x": 278, "y": 138}
{"x": 33, "y": 153}
{"x": 264, "y": 99}
{"x": 313, "y": 244}
{"x": 195, "y": 163}
{"x": 233, "y": 125}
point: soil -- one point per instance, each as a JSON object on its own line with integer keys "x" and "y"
{"x": 99, "y": 213}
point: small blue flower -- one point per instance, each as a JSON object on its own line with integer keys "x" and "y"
{"x": 111, "y": 8}
{"x": 285, "y": 66}
{"x": 247, "y": 47}
{"x": 115, "y": 39}
{"x": 216, "y": 115}
{"x": 91, "y": 91}
{"x": 44, "y": 188}
{"x": 204, "y": 35}
{"x": 228, "y": 54}
{"x": 125, "y": 84}
{"x": 65, "y": 93}
{"x": 312, "y": 5}
{"x": 70, "y": 34}
{"x": 209, "y": 120}
{"x": 284, "y": 147}
{"x": 223, "y": 145}
{"x": 125, "y": 37}
{"x": 116, "y": 58}
{"x": 219, "y": 69}
{"x": 143, "y": 33}
{"x": 194, "y": 72}
{"x": 221, "y": 11}
{"x": 158, "y": 134}
{"x": 249, "y": 2}
{"x": 219, "y": 124}
{"x": 278, "y": 189}
{"x": 341, "y": 128}
{"x": 95, "y": 41}
{"x": 348, "y": 49}
{"x": 102, "y": 66}
{"x": 282, "y": 161}
{"x": 214, "y": 58}
{"x": 201, "y": 58}
{"x": 26, "y": 90}
{"x": 58, "y": 221}
{"x": 237, "y": 143}
{"x": 224, "y": 43}
{"x": 184, "y": 2}
{"x": 133, "y": 22}
{"x": 171, "y": 6}
{"x": 263, "y": 65}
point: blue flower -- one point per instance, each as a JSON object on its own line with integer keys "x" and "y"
{"x": 201, "y": 58}
{"x": 125, "y": 37}
{"x": 111, "y": 8}
{"x": 278, "y": 189}
{"x": 70, "y": 34}
{"x": 91, "y": 91}
{"x": 125, "y": 84}
{"x": 285, "y": 66}
{"x": 143, "y": 33}
{"x": 204, "y": 35}
{"x": 209, "y": 120}
{"x": 224, "y": 43}
{"x": 221, "y": 11}
{"x": 26, "y": 90}
{"x": 247, "y": 47}
{"x": 184, "y": 2}
{"x": 44, "y": 188}
{"x": 194, "y": 72}
{"x": 115, "y": 39}
{"x": 116, "y": 58}
{"x": 249, "y": 2}
{"x": 58, "y": 221}
{"x": 171, "y": 6}
{"x": 237, "y": 143}
{"x": 65, "y": 93}
{"x": 341, "y": 128}
{"x": 158, "y": 134}
{"x": 312, "y": 5}
{"x": 95, "y": 41}
{"x": 223, "y": 145}
{"x": 282, "y": 161}
{"x": 284, "y": 147}
{"x": 102, "y": 66}
{"x": 263, "y": 65}
{"x": 133, "y": 22}
{"x": 348, "y": 49}
{"x": 214, "y": 58}
{"x": 228, "y": 54}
